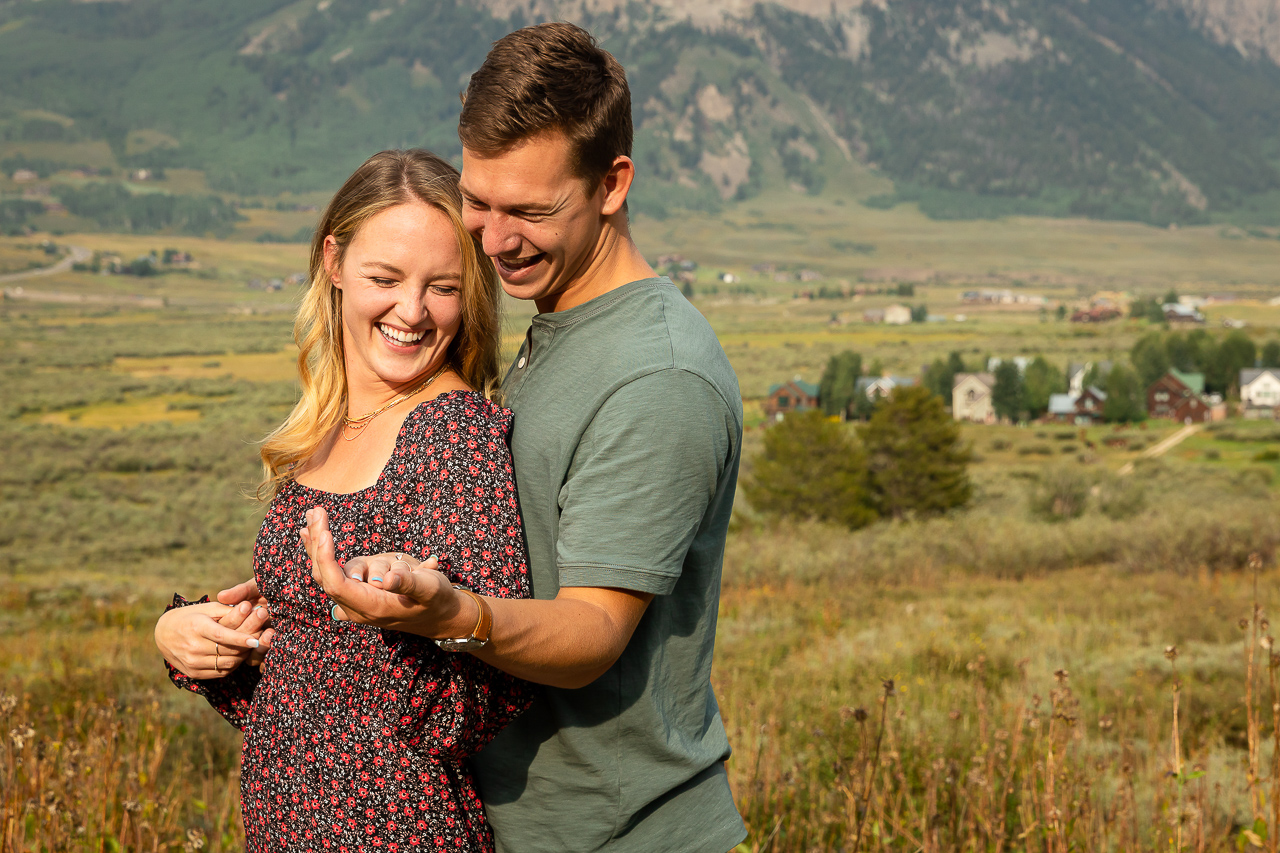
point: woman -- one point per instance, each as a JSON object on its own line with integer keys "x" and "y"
{"x": 355, "y": 736}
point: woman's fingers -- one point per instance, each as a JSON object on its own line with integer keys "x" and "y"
{"x": 235, "y": 617}
{"x": 259, "y": 654}
{"x": 319, "y": 544}
{"x": 247, "y": 591}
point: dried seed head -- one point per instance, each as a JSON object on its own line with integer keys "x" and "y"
{"x": 1035, "y": 700}
{"x": 1265, "y": 642}
{"x": 954, "y": 715}
{"x": 860, "y": 714}
{"x": 1061, "y": 676}
{"x": 1171, "y": 653}
{"x": 1105, "y": 723}
{"x": 887, "y": 684}
{"x": 1255, "y": 561}
{"x": 1265, "y": 624}
{"x": 1243, "y": 624}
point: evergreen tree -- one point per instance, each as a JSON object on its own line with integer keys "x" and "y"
{"x": 1126, "y": 399}
{"x": 1008, "y": 395}
{"x": 1041, "y": 382}
{"x": 940, "y": 377}
{"x": 1150, "y": 357}
{"x": 1235, "y": 353}
{"x": 917, "y": 463}
{"x": 839, "y": 382}
{"x": 811, "y": 467}
{"x": 1271, "y": 354}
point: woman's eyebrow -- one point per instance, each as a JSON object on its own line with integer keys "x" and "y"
{"x": 382, "y": 265}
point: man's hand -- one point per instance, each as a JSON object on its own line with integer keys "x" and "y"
{"x": 387, "y": 590}
{"x": 209, "y": 640}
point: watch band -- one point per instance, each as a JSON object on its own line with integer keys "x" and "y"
{"x": 479, "y": 634}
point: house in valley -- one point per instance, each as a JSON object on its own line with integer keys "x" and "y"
{"x": 971, "y": 398}
{"x": 1260, "y": 392}
{"x": 794, "y": 395}
{"x": 1180, "y": 397}
{"x": 1083, "y": 409}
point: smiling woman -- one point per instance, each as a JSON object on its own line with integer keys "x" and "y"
{"x": 356, "y": 736}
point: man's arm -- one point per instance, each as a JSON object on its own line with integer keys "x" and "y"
{"x": 569, "y": 641}
{"x": 644, "y": 474}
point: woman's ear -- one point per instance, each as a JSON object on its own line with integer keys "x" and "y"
{"x": 331, "y": 264}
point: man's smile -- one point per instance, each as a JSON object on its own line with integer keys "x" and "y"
{"x": 514, "y": 265}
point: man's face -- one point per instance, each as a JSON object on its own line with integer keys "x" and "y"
{"x": 539, "y": 222}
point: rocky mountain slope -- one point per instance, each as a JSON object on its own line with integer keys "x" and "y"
{"x": 1155, "y": 110}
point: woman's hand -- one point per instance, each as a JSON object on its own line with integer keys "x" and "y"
{"x": 387, "y": 590}
{"x": 209, "y": 640}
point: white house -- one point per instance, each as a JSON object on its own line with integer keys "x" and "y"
{"x": 971, "y": 398}
{"x": 897, "y": 315}
{"x": 1260, "y": 391}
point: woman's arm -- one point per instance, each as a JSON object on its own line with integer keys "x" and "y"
{"x": 206, "y": 646}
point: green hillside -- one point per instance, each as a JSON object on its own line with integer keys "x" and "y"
{"x": 1107, "y": 108}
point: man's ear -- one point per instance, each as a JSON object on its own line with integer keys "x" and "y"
{"x": 616, "y": 184}
{"x": 331, "y": 259}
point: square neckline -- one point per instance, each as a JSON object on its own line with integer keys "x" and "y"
{"x": 382, "y": 473}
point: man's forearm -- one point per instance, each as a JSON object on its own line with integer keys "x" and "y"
{"x": 567, "y": 642}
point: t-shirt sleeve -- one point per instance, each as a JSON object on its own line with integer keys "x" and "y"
{"x": 645, "y": 471}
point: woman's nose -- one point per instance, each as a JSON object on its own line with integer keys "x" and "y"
{"x": 412, "y": 307}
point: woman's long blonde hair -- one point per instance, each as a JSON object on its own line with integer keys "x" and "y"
{"x": 386, "y": 179}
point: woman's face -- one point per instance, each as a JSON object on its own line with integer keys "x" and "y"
{"x": 401, "y": 282}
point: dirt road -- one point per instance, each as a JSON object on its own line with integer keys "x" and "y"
{"x": 1164, "y": 446}
{"x": 78, "y": 254}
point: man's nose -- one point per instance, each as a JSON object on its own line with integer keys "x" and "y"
{"x": 500, "y": 235}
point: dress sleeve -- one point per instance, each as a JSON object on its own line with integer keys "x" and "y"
{"x": 456, "y": 703}
{"x": 230, "y": 695}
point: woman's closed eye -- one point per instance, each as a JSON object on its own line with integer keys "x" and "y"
{"x": 383, "y": 282}
{"x": 444, "y": 290}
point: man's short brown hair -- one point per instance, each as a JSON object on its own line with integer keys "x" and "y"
{"x": 550, "y": 77}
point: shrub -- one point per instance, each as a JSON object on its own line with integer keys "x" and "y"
{"x": 1030, "y": 449}
{"x": 1001, "y": 444}
{"x": 811, "y": 467}
{"x": 1121, "y": 497}
{"x": 1061, "y": 493}
{"x": 1268, "y": 455}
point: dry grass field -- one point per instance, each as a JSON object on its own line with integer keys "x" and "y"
{"x": 1033, "y": 691}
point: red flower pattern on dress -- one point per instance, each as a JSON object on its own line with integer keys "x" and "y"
{"x": 356, "y": 737}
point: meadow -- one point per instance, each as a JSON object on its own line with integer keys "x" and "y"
{"x": 1002, "y": 677}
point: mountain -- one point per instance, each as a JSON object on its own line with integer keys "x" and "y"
{"x": 1153, "y": 110}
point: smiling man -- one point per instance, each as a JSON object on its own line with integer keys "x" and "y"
{"x": 626, "y": 439}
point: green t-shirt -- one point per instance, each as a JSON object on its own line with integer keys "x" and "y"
{"x": 626, "y": 439}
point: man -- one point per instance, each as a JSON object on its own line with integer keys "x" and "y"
{"x": 626, "y": 440}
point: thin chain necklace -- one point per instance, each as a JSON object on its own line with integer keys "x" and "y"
{"x": 357, "y": 425}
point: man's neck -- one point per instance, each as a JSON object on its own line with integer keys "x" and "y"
{"x": 615, "y": 262}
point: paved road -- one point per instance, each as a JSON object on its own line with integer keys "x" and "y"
{"x": 1165, "y": 446}
{"x": 78, "y": 254}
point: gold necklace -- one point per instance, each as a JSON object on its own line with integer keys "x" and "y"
{"x": 357, "y": 425}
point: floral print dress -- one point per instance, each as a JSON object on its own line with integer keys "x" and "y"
{"x": 356, "y": 737}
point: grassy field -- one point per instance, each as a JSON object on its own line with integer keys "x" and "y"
{"x": 128, "y": 437}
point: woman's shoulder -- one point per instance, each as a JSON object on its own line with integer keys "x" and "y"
{"x": 461, "y": 411}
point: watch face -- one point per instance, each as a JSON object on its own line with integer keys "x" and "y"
{"x": 465, "y": 644}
